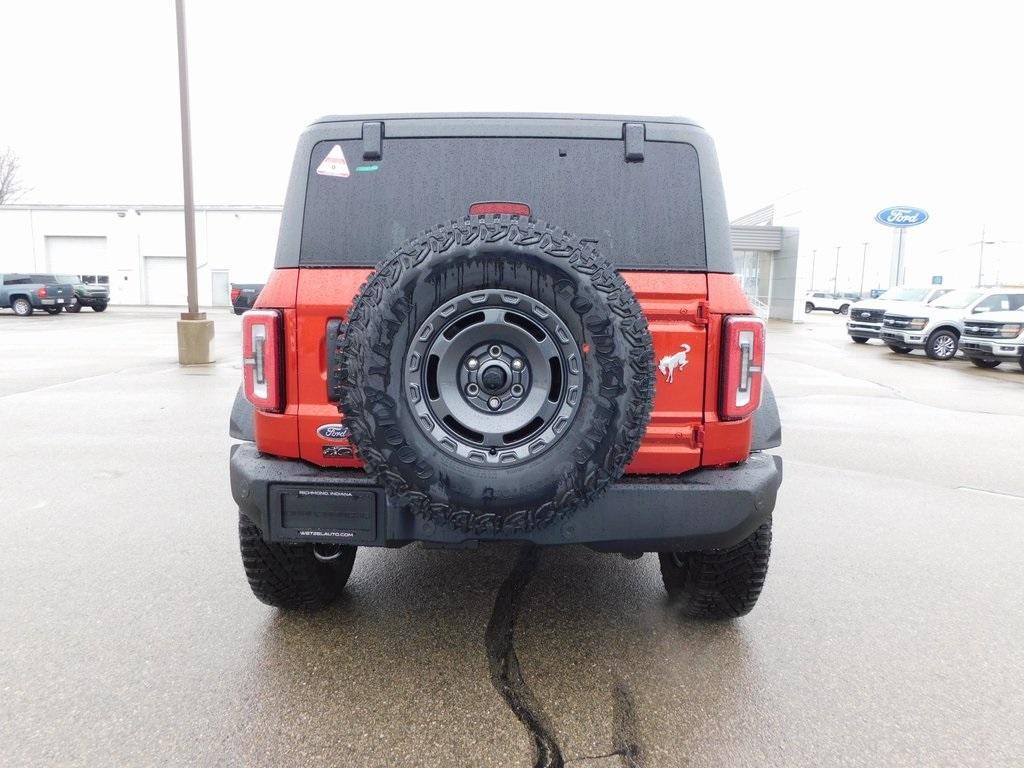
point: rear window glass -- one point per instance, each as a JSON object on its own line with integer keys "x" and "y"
{"x": 645, "y": 215}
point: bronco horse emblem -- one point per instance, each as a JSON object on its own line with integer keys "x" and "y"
{"x": 670, "y": 363}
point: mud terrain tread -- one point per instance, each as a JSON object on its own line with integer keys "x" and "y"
{"x": 287, "y": 575}
{"x": 720, "y": 583}
{"x": 365, "y": 410}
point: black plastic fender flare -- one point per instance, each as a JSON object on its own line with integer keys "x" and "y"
{"x": 767, "y": 424}
{"x": 242, "y": 415}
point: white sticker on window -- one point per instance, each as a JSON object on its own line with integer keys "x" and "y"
{"x": 334, "y": 164}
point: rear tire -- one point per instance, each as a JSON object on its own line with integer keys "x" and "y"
{"x": 844, "y": 310}
{"x": 986, "y": 363}
{"x": 719, "y": 583}
{"x": 808, "y": 308}
{"x": 22, "y": 307}
{"x": 859, "y": 340}
{"x": 289, "y": 576}
{"x": 99, "y": 307}
{"x": 898, "y": 349}
{"x": 74, "y": 308}
{"x": 942, "y": 345}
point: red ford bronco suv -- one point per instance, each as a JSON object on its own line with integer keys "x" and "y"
{"x": 505, "y": 328}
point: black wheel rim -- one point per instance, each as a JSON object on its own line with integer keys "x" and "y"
{"x": 493, "y": 377}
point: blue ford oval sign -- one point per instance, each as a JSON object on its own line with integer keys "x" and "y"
{"x": 901, "y": 216}
{"x": 333, "y": 432}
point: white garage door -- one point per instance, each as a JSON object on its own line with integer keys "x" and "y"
{"x": 165, "y": 281}
{"x": 77, "y": 255}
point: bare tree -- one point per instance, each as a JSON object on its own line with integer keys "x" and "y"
{"x": 11, "y": 187}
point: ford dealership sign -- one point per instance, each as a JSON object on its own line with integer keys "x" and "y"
{"x": 901, "y": 216}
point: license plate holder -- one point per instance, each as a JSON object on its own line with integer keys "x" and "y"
{"x": 321, "y": 513}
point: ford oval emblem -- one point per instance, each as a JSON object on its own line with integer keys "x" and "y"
{"x": 901, "y": 216}
{"x": 333, "y": 432}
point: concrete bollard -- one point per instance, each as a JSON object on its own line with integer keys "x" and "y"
{"x": 195, "y": 340}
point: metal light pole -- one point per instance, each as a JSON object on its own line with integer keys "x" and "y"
{"x": 981, "y": 254}
{"x": 863, "y": 266}
{"x": 195, "y": 332}
{"x": 835, "y": 277}
{"x": 814, "y": 256}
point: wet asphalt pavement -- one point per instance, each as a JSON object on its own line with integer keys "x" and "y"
{"x": 889, "y": 632}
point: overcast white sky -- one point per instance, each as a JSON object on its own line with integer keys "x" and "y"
{"x": 867, "y": 106}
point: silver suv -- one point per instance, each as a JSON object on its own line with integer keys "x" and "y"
{"x": 936, "y": 328}
{"x": 995, "y": 337}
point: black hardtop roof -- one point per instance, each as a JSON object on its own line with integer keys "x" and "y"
{"x": 674, "y": 120}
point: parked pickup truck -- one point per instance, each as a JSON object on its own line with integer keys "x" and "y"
{"x": 94, "y": 295}
{"x": 936, "y": 328}
{"x": 996, "y": 337}
{"x": 866, "y": 316}
{"x": 244, "y": 295}
{"x": 25, "y": 293}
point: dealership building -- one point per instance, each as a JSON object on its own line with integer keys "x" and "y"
{"x": 142, "y": 250}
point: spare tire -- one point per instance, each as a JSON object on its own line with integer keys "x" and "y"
{"x": 497, "y": 373}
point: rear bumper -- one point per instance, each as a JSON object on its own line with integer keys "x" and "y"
{"x": 291, "y": 500}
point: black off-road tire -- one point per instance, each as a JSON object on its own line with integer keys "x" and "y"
{"x": 581, "y": 290}
{"x": 52, "y": 310}
{"x": 808, "y": 308}
{"x": 73, "y": 308}
{"x": 859, "y": 339}
{"x": 898, "y": 349}
{"x": 988, "y": 364}
{"x": 844, "y": 310}
{"x": 99, "y": 307}
{"x": 937, "y": 348}
{"x": 718, "y": 583}
{"x": 289, "y": 576}
{"x": 22, "y": 306}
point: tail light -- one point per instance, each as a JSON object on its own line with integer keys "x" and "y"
{"x": 41, "y": 293}
{"x": 235, "y": 293}
{"x": 261, "y": 358}
{"x": 514, "y": 209}
{"x": 743, "y": 367}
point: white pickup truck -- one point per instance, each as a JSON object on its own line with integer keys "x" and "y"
{"x": 866, "y": 316}
{"x": 995, "y": 337}
{"x": 936, "y": 328}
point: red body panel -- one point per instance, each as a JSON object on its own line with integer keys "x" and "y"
{"x": 684, "y": 312}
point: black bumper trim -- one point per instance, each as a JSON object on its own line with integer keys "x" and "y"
{"x": 702, "y": 509}
{"x": 866, "y": 333}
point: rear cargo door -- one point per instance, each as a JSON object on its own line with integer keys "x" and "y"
{"x": 645, "y": 214}
{"x": 676, "y": 308}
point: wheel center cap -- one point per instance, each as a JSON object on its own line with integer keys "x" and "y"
{"x": 494, "y": 379}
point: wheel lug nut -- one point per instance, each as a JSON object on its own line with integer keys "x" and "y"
{"x": 495, "y": 350}
{"x": 494, "y": 403}
{"x": 517, "y": 390}
{"x": 517, "y": 364}
{"x": 472, "y": 389}
{"x": 472, "y": 363}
